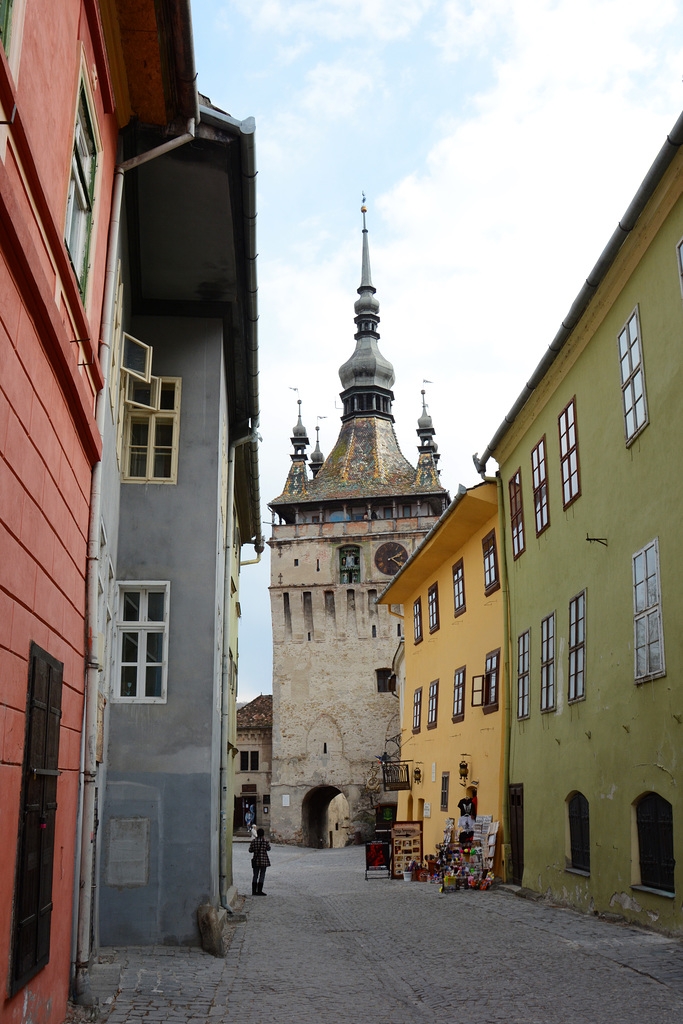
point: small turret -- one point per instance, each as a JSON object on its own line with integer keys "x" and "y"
{"x": 317, "y": 457}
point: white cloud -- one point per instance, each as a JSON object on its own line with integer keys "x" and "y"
{"x": 376, "y": 20}
{"x": 539, "y": 120}
{"x": 336, "y": 90}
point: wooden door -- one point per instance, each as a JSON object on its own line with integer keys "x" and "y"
{"x": 517, "y": 832}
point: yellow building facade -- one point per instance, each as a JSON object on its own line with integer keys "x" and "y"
{"x": 453, "y": 697}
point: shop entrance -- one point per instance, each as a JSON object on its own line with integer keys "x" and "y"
{"x": 245, "y": 812}
{"x": 325, "y": 818}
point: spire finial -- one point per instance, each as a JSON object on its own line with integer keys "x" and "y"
{"x": 365, "y": 277}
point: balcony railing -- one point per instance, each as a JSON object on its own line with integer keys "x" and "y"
{"x": 396, "y": 775}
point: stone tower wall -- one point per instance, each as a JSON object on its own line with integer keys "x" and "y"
{"x": 329, "y": 721}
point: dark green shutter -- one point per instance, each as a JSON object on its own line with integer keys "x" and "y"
{"x": 33, "y": 892}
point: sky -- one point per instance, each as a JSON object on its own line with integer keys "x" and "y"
{"x": 498, "y": 143}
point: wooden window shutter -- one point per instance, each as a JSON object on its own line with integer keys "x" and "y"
{"x": 33, "y": 893}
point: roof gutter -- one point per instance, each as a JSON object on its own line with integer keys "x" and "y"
{"x": 462, "y": 491}
{"x": 244, "y": 130}
{"x": 652, "y": 179}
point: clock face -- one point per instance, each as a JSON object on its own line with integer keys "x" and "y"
{"x": 390, "y": 557}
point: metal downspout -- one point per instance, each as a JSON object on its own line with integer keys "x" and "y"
{"x": 223, "y": 884}
{"x": 507, "y": 694}
{"x": 86, "y": 839}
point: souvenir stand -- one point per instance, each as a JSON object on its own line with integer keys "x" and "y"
{"x": 465, "y": 858}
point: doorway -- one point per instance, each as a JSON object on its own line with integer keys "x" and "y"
{"x": 517, "y": 832}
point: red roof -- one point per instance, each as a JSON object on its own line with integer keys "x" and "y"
{"x": 257, "y": 714}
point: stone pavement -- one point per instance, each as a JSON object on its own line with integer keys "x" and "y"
{"x": 328, "y": 947}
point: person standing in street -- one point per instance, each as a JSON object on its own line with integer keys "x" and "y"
{"x": 258, "y": 848}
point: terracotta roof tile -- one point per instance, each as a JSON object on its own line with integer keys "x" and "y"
{"x": 257, "y": 714}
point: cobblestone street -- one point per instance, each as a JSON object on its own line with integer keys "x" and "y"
{"x": 327, "y": 946}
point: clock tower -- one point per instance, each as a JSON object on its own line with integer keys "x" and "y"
{"x": 341, "y": 529}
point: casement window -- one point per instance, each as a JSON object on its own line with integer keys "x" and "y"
{"x": 417, "y": 620}
{"x": 491, "y": 680}
{"x": 459, "y": 694}
{"x": 679, "y": 262}
{"x": 142, "y": 626}
{"x": 349, "y": 565}
{"x": 485, "y": 688}
{"x": 417, "y": 709}
{"x": 516, "y": 514}
{"x": 386, "y": 680}
{"x": 433, "y": 707}
{"x": 37, "y": 812}
{"x": 491, "y": 581}
{"x": 244, "y": 760}
{"x": 647, "y": 614}
{"x": 253, "y": 760}
{"x": 5, "y": 23}
{"x": 654, "y": 819}
{"x": 152, "y": 429}
{"x": 632, "y": 377}
{"x": 445, "y": 786}
{"x": 579, "y": 833}
{"x": 577, "y": 647}
{"x": 548, "y": 663}
{"x": 433, "y": 607}
{"x": 569, "y": 454}
{"x": 81, "y": 194}
{"x": 539, "y": 479}
{"x": 523, "y": 644}
{"x": 458, "y": 588}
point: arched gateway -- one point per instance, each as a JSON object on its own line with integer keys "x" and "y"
{"x": 325, "y": 817}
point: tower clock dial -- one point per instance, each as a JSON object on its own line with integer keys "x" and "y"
{"x": 390, "y": 557}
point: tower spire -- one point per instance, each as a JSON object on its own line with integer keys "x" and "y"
{"x": 367, "y": 377}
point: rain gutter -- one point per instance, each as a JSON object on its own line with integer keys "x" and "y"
{"x": 652, "y": 179}
{"x": 462, "y": 491}
{"x": 244, "y": 131}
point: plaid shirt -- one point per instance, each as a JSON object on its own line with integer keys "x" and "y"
{"x": 259, "y": 847}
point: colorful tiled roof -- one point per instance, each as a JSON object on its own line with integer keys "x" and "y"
{"x": 365, "y": 462}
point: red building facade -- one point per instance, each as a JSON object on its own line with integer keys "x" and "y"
{"x": 57, "y": 153}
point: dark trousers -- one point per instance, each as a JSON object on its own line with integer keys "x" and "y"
{"x": 257, "y": 879}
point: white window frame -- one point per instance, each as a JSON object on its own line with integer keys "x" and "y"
{"x": 647, "y": 613}
{"x": 577, "y": 648}
{"x": 142, "y": 626}
{"x": 569, "y": 454}
{"x": 150, "y": 413}
{"x": 679, "y": 263}
{"x": 548, "y": 695}
{"x": 459, "y": 693}
{"x": 632, "y": 376}
{"x": 523, "y": 673}
{"x": 80, "y": 204}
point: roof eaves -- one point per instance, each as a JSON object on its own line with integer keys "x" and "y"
{"x": 674, "y": 140}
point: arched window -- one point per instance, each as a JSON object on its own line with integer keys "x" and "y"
{"x": 349, "y": 565}
{"x": 654, "y": 817}
{"x": 579, "y": 832}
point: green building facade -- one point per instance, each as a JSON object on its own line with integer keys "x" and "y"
{"x": 592, "y": 556}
